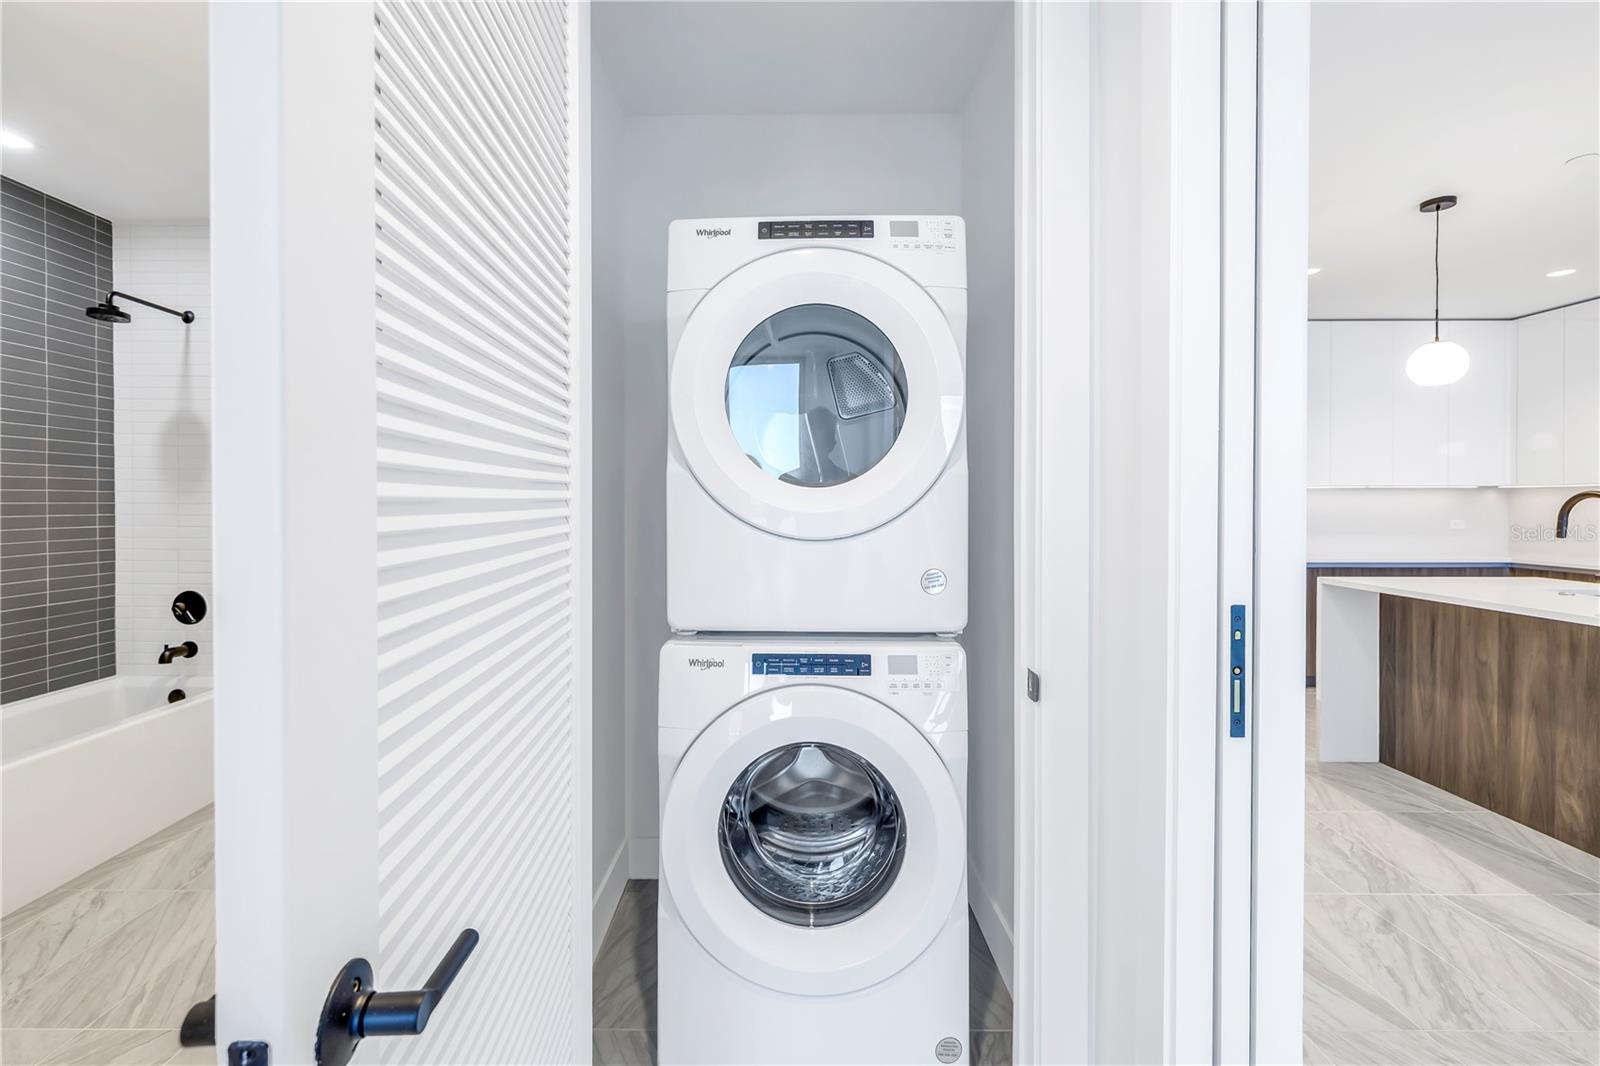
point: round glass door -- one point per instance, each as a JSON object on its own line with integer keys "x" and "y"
{"x": 812, "y": 834}
{"x": 816, "y": 395}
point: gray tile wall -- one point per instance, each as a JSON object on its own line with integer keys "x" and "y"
{"x": 57, "y": 495}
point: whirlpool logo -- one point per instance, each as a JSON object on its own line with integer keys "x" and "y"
{"x": 706, "y": 231}
{"x": 708, "y": 664}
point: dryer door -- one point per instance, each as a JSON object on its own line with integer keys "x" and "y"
{"x": 817, "y": 393}
{"x": 813, "y": 840}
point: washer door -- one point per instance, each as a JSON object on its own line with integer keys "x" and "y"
{"x": 817, "y": 393}
{"x": 813, "y": 841}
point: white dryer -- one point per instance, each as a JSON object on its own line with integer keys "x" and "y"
{"x": 813, "y": 896}
{"x": 817, "y": 464}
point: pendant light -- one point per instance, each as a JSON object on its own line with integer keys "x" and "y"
{"x": 1437, "y": 362}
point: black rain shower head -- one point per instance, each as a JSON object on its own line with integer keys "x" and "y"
{"x": 108, "y": 311}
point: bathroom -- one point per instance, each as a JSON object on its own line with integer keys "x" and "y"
{"x": 105, "y": 506}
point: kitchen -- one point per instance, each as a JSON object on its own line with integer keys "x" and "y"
{"x": 1453, "y": 539}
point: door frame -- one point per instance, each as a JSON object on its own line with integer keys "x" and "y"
{"x": 1123, "y": 262}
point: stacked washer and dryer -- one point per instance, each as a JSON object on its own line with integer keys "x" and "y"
{"x": 813, "y": 704}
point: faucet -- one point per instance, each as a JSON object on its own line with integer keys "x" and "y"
{"x": 187, "y": 650}
{"x": 1566, "y": 510}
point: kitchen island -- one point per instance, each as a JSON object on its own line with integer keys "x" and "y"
{"x": 1488, "y": 687}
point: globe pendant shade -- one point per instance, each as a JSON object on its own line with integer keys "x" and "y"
{"x": 1437, "y": 363}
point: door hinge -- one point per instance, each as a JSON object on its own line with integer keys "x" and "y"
{"x": 1033, "y": 686}
{"x": 1236, "y": 670}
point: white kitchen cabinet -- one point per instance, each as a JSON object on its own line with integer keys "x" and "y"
{"x": 1477, "y": 441}
{"x": 1361, "y": 403}
{"x": 1541, "y": 407}
{"x": 1317, "y": 404}
{"x": 1581, "y": 393}
{"x": 1421, "y": 414}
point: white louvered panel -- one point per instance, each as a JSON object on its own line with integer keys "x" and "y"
{"x": 475, "y": 537}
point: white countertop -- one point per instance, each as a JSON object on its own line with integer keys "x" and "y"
{"x": 1536, "y": 597}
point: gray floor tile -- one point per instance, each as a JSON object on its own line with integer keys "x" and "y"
{"x": 990, "y": 1002}
{"x": 624, "y": 1047}
{"x": 116, "y": 1047}
{"x": 25, "y": 1047}
{"x": 991, "y": 1047}
{"x": 1542, "y": 924}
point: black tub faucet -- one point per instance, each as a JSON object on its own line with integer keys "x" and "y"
{"x": 187, "y": 650}
{"x": 1566, "y": 510}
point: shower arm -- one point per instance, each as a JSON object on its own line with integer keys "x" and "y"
{"x": 187, "y": 316}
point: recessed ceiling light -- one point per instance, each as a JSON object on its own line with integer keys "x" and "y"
{"x": 1312, "y": 272}
{"x": 1562, "y": 273}
{"x": 14, "y": 141}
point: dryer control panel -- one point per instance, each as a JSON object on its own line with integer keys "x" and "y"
{"x": 937, "y": 234}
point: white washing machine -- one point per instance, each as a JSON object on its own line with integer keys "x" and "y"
{"x": 817, "y": 462}
{"x": 813, "y": 896}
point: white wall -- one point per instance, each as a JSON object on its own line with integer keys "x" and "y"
{"x": 163, "y": 443}
{"x": 1532, "y": 514}
{"x": 610, "y": 828}
{"x": 986, "y": 202}
{"x": 1408, "y": 525}
{"x": 705, "y": 165}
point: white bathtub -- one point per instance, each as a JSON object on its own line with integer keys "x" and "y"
{"x": 91, "y": 770}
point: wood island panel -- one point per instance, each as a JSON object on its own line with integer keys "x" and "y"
{"x": 1500, "y": 709}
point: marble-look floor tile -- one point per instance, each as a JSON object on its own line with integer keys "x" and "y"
{"x": 1316, "y": 883}
{"x": 1449, "y": 862}
{"x": 25, "y": 1047}
{"x": 60, "y": 933}
{"x": 1544, "y": 926}
{"x": 1511, "y": 1049}
{"x": 1335, "y": 998}
{"x": 177, "y": 974}
{"x": 1488, "y": 824}
{"x": 1418, "y": 982}
{"x": 991, "y": 1047}
{"x": 624, "y": 1047}
{"x": 989, "y": 999}
{"x": 1482, "y": 842}
{"x": 116, "y": 1047}
{"x": 1333, "y": 1047}
{"x": 82, "y": 991}
{"x": 1376, "y": 787}
{"x": 1352, "y": 866}
{"x": 1547, "y": 995}
{"x": 625, "y": 967}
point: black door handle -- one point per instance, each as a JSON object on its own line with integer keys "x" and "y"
{"x": 354, "y": 1010}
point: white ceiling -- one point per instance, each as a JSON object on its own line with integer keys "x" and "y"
{"x": 1483, "y": 100}
{"x": 665, "y": 57}
{"x": 113, "y": 96}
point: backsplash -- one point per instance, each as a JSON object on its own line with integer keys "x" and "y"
{"x": 57, "y": 494}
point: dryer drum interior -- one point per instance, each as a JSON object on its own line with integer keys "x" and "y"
{"x": 816, "y": 395}
{"x": 812, "y": 834}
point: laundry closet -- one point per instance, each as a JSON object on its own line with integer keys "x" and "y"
{"x": 831, "y": 113}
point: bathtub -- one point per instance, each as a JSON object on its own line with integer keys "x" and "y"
{"x": 89, "y": 771}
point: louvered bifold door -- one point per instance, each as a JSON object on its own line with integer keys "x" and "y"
{"x": 477, "y": 544}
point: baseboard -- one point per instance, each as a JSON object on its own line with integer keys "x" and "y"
{"x": 644, "y": 858}
{"x": 994, "y": 924}
{"x": 608, "y": 893}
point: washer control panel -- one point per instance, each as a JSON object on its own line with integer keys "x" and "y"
{"x": 767, "y": 664}
{"x": 922, "y": 234}
{"x": 927, "y": 673}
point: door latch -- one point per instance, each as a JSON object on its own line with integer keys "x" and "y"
{"x": 1033, "y": 686}
{"x": 1236, "y": 677}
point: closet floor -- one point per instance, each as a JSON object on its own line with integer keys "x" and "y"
{"x": 1440, "y": 932}
{"x": 625, "y": 989}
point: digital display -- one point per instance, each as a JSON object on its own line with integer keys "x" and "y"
{"x": 902, "y": 227}
{"x": 768, "y": 663}
{"x": 902, "y": 664}
{"x": 814, "y": 228}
